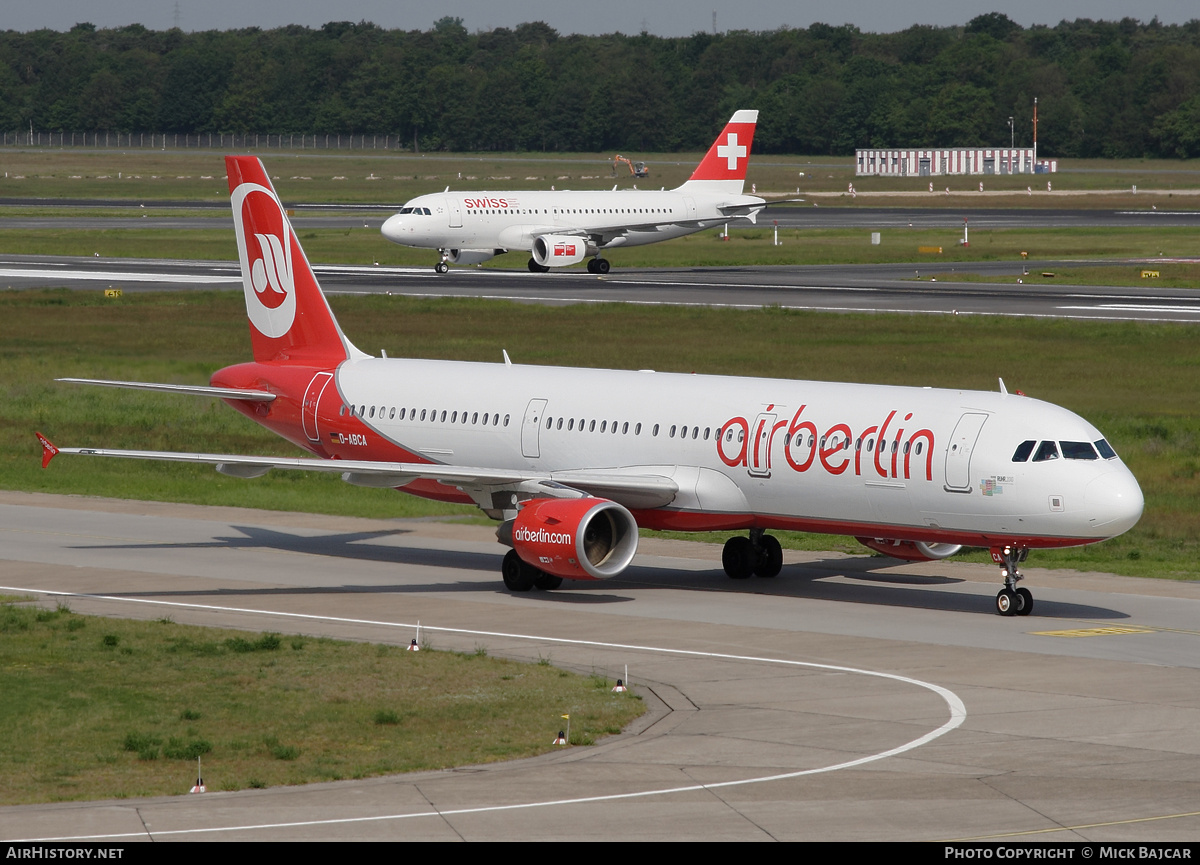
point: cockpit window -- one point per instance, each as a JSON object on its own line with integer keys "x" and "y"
{"x": 1024, "y": 449}
{"x": 1078, "y": 450}
{"x": 1046, "y": 451}
{"x": 1106, "y": 450}
{"x": 404, "y": 210}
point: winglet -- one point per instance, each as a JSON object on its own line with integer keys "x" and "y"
{"x": 48, "y": 450}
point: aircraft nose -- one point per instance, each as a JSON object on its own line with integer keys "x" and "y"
{"x": 1114, "y": 503}
{"x": 393, "y": 227}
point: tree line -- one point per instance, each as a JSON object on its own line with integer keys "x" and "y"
{"x": 1105, "y": 89}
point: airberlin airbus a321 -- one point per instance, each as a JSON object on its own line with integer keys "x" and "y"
{"x": 561, "y": 228}
{"x": 572, "y": 461}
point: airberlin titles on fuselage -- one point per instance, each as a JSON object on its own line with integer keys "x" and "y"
{"x": 750, "y": 444}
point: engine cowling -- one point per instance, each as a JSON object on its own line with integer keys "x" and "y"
{"x": 580, "y": 539}
{"x": 910, "y": 551}
{"x": 473, "y": 256}
{"x": 559, "y": 250}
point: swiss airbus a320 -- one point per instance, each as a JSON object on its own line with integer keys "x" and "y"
{"x": 571, "y": 462}
{"x": 562, "y": 228}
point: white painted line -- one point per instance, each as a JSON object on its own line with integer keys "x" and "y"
{"x": 115, "y": 276}
{"x": 958, "y": 714}
{"x": 1138, "y": 307}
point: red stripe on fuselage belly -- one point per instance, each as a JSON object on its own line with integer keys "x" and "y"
{"x": 696, "y": 521}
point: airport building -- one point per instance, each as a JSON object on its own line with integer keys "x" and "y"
{"x": 951, "y": 160}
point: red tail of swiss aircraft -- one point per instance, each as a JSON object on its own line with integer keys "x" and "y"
{"x": 724, "y": 166}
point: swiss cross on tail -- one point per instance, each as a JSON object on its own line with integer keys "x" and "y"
{"x": 289, "y": 318}
{"x": 729, "y": 155}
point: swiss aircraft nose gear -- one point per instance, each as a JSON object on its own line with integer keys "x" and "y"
{"x": 441, "y": 266}
{"x": 759, "y": 554}
{"x": 1012, "y": 601}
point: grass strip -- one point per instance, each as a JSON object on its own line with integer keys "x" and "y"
{"x": 745, "y": 247}
{"x": 100, "y": 708}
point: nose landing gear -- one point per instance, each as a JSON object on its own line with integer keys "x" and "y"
{"x": 1011, "y": 601}
{"x": 759, "y": 554}
{"x": 441, "y": 266}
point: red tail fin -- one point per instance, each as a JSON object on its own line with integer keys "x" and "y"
{"x": 724, "y": 166}
{"x": 289, "y": 318}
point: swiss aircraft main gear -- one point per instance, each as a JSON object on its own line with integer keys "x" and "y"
{"x": 520, "y": 576}
{"x": 759, "y": 554}
{"x": 534, "y": 267}
{"x": 598, "y": 265}
{"x": 1012, "y": 601}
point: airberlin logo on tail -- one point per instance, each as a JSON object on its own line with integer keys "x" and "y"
{"x": 265, "y": 250}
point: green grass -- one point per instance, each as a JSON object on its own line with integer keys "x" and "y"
{"x": 392, "y": 178}
{"x": 1170, "y": 275}
{"x": 83, "y": 719}
{"x": 746, "y": 246}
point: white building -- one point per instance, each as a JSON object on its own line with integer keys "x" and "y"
{"x": 950, "y": 160}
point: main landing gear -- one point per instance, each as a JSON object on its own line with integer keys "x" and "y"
{"x": 759, "y": 554}
{"x": 520, "y": 576}
{"x": 1012, "y": 601}
{"x": 598, "y": 265}
{"x": 534, "y": 267}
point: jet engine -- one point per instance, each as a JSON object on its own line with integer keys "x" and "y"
{"x": 910, "y": 551}
{"x": 581, "y": 539}
{"x": 473, "y": 256}
{"x": 560, "y": 250}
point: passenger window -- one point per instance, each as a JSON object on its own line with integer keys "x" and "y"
{"x": 506, "y": 417}
{"x": 392, "y": 413}
{"x": 637, "y": 430}
{"x": 342, "y": 411}
{"x": 654, "y": 431}
{"x": 549, "y": 422}
{"x": 1105, "y": 449}
{"x": 453, "y": 417}
{"x": 474, "y": 417}
{"x": 625, "y": 428}
{"x": 920, "y": 447}
{"x": 1024, "y": 449}
{"x": 592, "y": 426}
{"x": 671, "y": 434}
{"x": 603, "y": 425}
{"x": 570, "y": 424}
{"x": 559, "y": 424}
{"x": 423, "y": 414}
{"x": 1078, "y": 450}
{"x": 443, "y": 415}
{"x": 1046, "y": 451}
{"x": 696, "y": 432}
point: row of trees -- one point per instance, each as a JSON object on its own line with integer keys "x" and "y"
{"x": 1115, "y": 89}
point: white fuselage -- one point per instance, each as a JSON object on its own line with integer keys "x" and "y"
{"x": 946, "y": 470}
{"x": 512, "y": 220}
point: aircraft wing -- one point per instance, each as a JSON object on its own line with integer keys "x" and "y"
{"x": 631, "y": 490}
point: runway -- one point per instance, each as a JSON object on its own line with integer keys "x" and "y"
{"x": 876, "y": 288}
{"x": 846, "y": 699}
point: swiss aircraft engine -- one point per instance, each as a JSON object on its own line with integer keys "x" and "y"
{"x": 580, "y": 539}
{"x": 560, "y": 250}
{"x": 910, "y": 551}
{"x": 473, "y": 256}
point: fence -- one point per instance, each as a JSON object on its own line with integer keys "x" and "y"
{"x": 206, "y": 140}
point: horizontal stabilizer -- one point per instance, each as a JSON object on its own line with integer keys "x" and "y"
{"x": 191, "y": 390}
